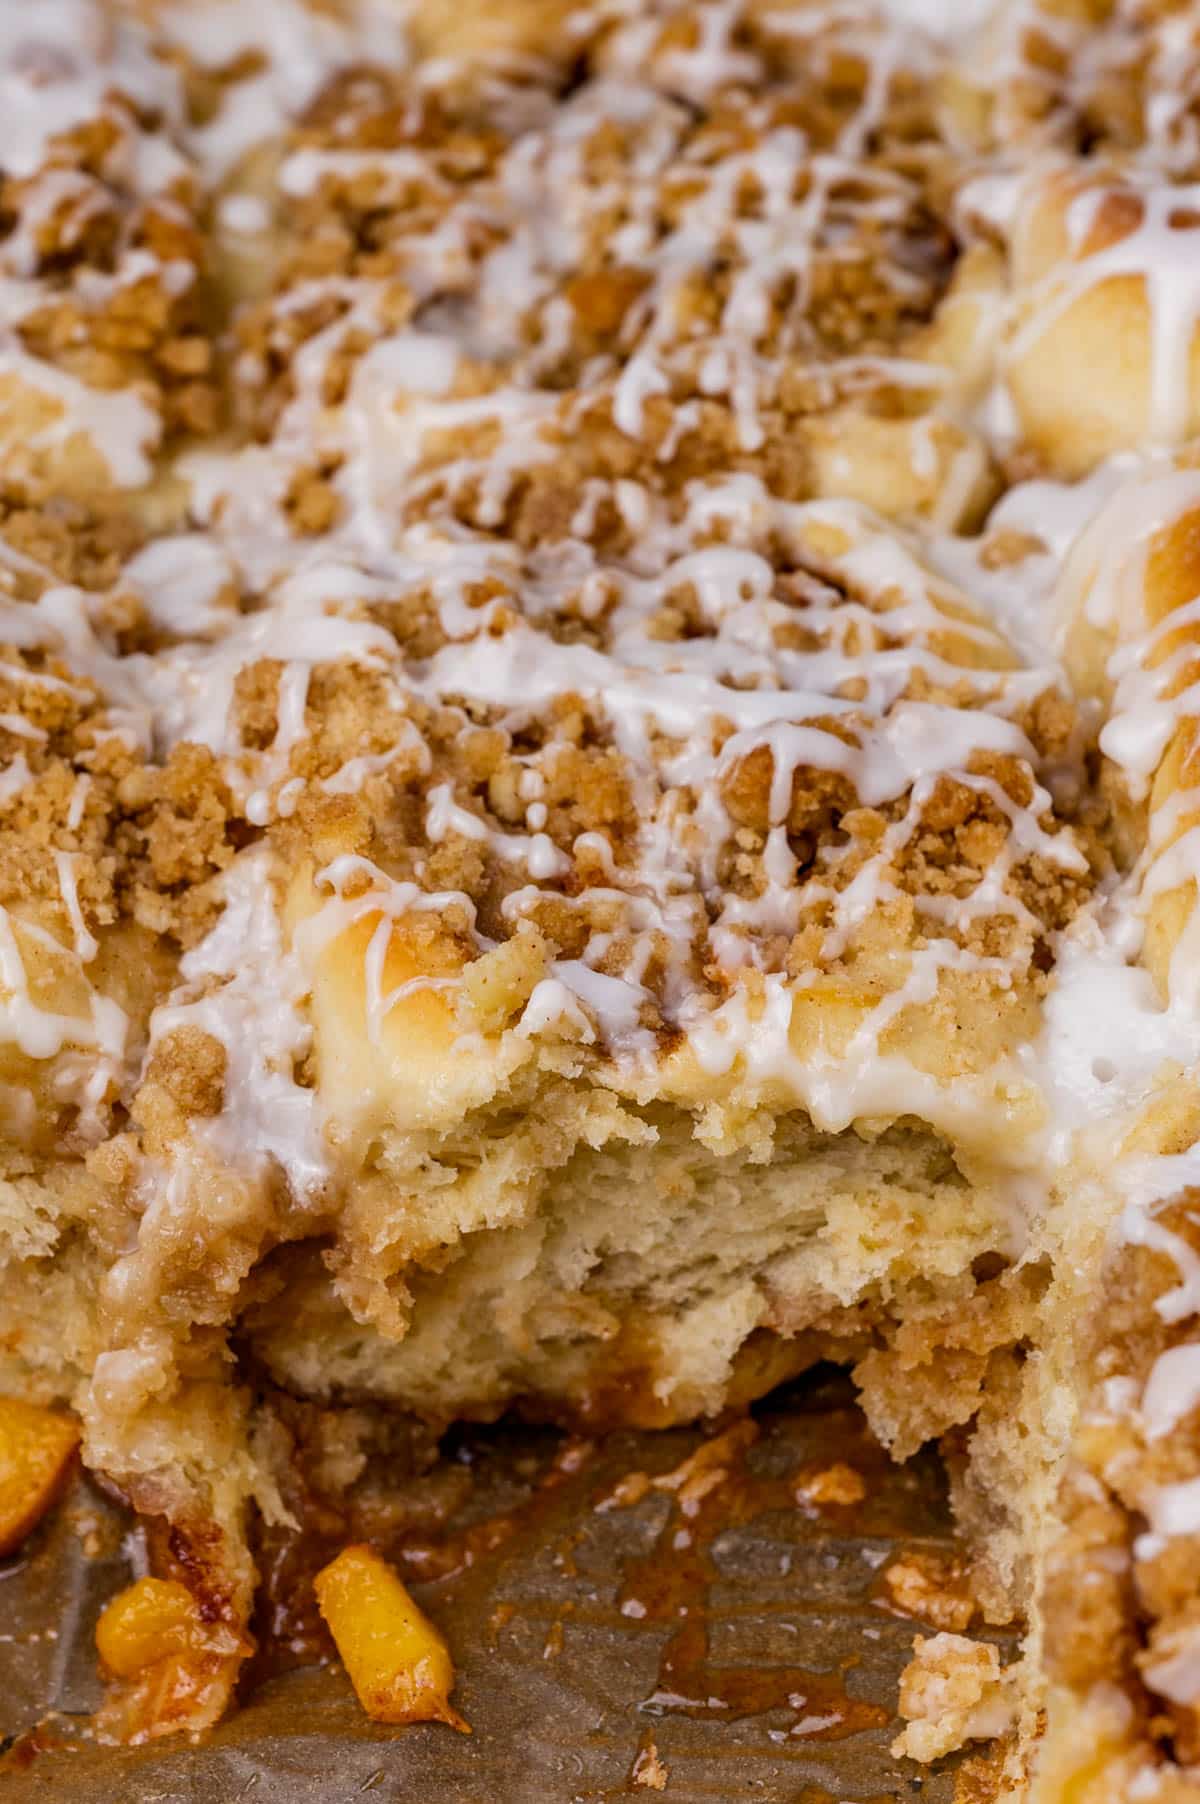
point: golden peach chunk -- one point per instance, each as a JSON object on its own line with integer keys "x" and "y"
{"x": 172, "y": 1668}
{"x": 398, "y": 1664}
{"x": 150, "y": 1621}
{"x": 36, "y": 1449}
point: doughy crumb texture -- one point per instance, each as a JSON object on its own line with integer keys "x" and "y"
{"x": 599, "y": 798}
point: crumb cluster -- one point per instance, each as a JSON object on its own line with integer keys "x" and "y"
{"x": 527, "y": 536}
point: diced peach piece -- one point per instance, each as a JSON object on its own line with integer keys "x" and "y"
{"x": 172, "y": 1667}
{"x": 399, "y": 1665}
{"x": 152, "y": 1620}
{"x": 36, "y": 1449}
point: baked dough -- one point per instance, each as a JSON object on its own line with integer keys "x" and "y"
{"x": 599, "y": 661}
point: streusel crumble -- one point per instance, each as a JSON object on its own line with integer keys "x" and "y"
{"x": 601, "y": 641}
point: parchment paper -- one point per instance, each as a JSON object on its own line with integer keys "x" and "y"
{"x": 559, "y": 1653}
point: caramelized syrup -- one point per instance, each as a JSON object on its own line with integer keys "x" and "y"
{"x": 716, "y": 1489}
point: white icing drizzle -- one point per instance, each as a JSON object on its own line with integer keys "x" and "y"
{"x": 733, "y": 691}
{"x": 1163, "y": 251}
{"x": 290, "y": 50}
{"x": 1177, "y": 1675}
{"x": 66, "y": 65}
{"x": 1109, "y": 1036}
{"x": 896, "y": 686}
{"x": 90, "y": 1048}
{"x": 56, "y": 73}
{"x": 242, "y": 986}
{"x": 1172, "y": 1390}
{"x": 122, "y": 425}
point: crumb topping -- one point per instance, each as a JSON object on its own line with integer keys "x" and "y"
{"x": 517, "y": 594}
{"x": 638, "y": 546}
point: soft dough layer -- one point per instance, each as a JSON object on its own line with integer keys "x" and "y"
{"x": 597, "y": 664}
{"x": 638, "y": 1273}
